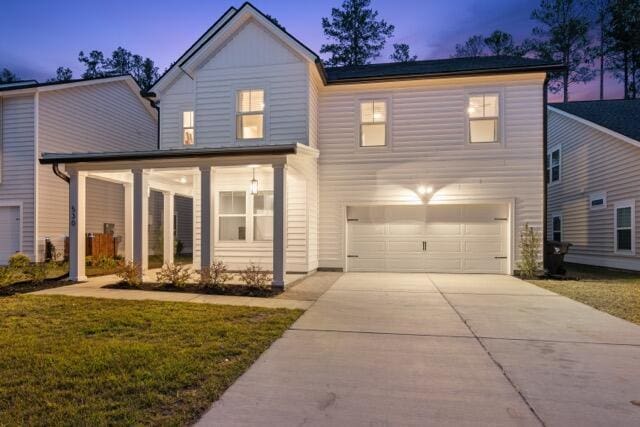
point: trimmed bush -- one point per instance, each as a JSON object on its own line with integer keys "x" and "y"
{"x": 19, "y": 262}
{"x": 174, "y": 274}
{"x": 215, "y": 276}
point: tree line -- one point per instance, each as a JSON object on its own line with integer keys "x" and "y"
{"x": 589, "y": 37}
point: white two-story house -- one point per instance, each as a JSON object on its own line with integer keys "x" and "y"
{"x": 424, "y": 166}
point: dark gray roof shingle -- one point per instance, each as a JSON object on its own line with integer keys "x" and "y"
{"x": 619, "y": 115}
{"x": 438, "y": 67}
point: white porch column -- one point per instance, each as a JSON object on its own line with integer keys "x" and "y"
{"x": 77, "y": 240}
{"x": 128, "y": 221}
{"x": 205, "y": 217}
{"x": 168, "y": 198}
{"x": 140, "y": 219}
{"x": 279, "y": 221}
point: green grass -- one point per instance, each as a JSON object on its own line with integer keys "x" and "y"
{"x": 83, "y": 361}
{"x": 612, "y": 291}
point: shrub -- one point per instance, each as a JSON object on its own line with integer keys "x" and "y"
{"x": 7, "y": 276}
{"x": 215, "y": 276}
{"x": 254, "y": 275}
{"x": 529, "y": 252}
{"x": 130, "y": 274}
{"x": 174, "y": 274}
{"x": 19, "y": 262}
{"x": 37, "y": 272}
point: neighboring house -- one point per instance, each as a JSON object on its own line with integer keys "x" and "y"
{"x": 83, "y": 115}
{"x": 423, "y": 166}
{"x": 594, "y": 181}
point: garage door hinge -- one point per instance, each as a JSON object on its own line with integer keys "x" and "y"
{"x": 500, "y": 257}
{"x": 500, "y": 219}
{"x": 352, "y": 219}
{"x": 352, "y": 256}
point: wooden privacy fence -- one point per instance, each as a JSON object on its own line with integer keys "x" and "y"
{"x": 97, "y": 245}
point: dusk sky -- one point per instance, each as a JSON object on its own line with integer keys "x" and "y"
{"x": 37, "y": 36}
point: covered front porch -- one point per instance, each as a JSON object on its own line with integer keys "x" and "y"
{"x": 249, "y": 205}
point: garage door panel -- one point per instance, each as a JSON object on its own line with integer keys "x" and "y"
{"x": 440, "y": 238}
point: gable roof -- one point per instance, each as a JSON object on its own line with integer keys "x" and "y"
{"x": 621, "y": 116}
{"x": 351, "y": 74}
{"x": 32, "y": 86}
{"x": 438, "y": 68}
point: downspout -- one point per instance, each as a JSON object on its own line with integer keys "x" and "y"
{"x": 544, "y": 168}
{"x": 60, "y": 174}
{"x": 156, "y": 105}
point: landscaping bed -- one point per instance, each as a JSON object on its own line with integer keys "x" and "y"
{"x": 612, "y": 291}
{"x": 85, "y": 361}
{"x": 226, "y": 289}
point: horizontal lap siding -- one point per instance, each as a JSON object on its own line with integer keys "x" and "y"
{"x": 428, "y": 147}
{"x": 93, "y": 118}
{"x": 592, "y": 161}
{"x": 17, "y": 168}
{"x": 184, "y": 211}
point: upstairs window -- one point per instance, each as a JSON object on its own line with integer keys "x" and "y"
{"x": 188, "y": 131}
{"x": 373, "y": 123}
{"x": 556, "y": 228}
{"x": 250, "y": 114}
{"x": 553, "y": 165}
{"x": 624, "y": 221}
{"x": 483, "y": 112}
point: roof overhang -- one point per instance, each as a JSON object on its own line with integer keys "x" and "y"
{"x": 595, "y": 126}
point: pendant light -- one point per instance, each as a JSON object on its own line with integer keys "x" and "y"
{"x": 254, "y": 183}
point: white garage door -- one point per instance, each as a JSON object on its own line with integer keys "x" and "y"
{"x": 440, "y": 238}
{"x": 9, "y": 232}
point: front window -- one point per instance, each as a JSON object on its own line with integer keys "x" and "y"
{"x": 483, "y": 112}
{"x": 250, "y": 114}
{"x": 232, "y": 215}
{"x": 553, "y": 163}
{"x": 373, "y": 123}
{"x": 556, "y": 229}
{"x": 624, "y": 224}
{"x": 188, "y": 131}
{"x": 263, "y": 216}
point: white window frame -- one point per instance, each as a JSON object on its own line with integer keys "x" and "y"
{"x": 621, "y": 205}
{"x": 500, "y": 121}
{"x": 183, "y": 128}
{"x": 254, "y": 216}
{"x": 387, "y": 122}
{"x": 238, "y": 114}
{"x": 247, "y": 207}
{"x": 553, "y": 217}
{"x": 552, "y": 150}
{"x": 597, "y": 196}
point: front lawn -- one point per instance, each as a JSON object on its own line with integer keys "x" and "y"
{"x": 84, "y": 361}
{"x": 612, "y": 291}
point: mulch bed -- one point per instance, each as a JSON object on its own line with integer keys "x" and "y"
{"x": 27, "y": 286}
{"x": 228, "y": 289}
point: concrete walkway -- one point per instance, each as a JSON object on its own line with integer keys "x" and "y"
{"x": 94, "y": 289}
{"x": 436, "y": 349}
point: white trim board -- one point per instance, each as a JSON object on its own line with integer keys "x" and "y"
{"x": 595, "y": 126}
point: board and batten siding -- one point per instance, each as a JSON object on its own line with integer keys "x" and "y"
{"x": 17, "y": 139}
{"x": 92, "y": 118}
{"x": 427, "y": 146}
{"x": 251, "y": 59}
{"x": 592, "y": 161}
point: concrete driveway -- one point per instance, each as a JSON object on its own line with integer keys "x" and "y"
{"x": 440, "y": 349}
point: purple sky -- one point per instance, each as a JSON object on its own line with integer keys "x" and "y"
{"x": 37, "y": 36}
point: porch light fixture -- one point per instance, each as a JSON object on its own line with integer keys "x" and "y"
{"x": 422, "y": 190}
{"x": 254, "y": 183}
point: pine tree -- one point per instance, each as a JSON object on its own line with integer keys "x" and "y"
{"x": 6, "y": 76}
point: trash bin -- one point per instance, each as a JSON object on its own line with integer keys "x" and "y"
{"x": 555, "y": 252}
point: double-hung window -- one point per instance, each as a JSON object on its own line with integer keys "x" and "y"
{"x": 556, "y": 228}
{"x": 373, "y": 123}
{"x": 263, "y": 216}
{"x": 624, "y": 222}
{"x": 188, "y": 129}
{"x": 250, "y": 114}
{"x": 553, "y": 165}
{"x": 232, "y": 215}
{"x": 483, "y": 112}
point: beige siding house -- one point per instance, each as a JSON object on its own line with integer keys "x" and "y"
{"x": 424, "y": 166}
{"x": 78, "y": 116}
{"x": 594, "y": 181}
